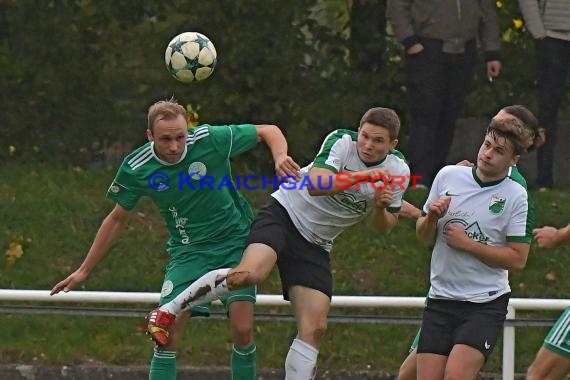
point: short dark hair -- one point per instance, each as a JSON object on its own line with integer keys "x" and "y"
{"x": 383, "y": 117}
{"x": 514, "y": 131}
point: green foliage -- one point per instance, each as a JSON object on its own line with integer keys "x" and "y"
{"x": 53, "y": 214}
{"x": 77, "y": 76}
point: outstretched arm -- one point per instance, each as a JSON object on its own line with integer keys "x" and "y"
{"x": 274, "y": 139}
{"x": 550, "y": 237}
{"x": 108, "y": 232}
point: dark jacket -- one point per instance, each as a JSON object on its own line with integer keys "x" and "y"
{"x": 456, "y": 21}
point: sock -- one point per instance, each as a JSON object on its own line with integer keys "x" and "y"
{"x": 163, "y": 365}
{"x": 204, "y": 290}
{"x": 243, "y": 362}
{"x": 301, "y": 362}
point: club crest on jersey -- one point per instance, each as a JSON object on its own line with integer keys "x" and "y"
{"x": 114, "y": 189}
{"x": 197, "y": 170}
{"x": 167, "y": 288}
{"x": 497, "y": 204}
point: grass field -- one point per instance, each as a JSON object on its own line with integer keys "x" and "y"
{"x": 53, "y": 214}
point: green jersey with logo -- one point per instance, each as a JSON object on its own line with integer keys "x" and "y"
{"x": 198, "y": 217}
{"x": 492, "y": 213}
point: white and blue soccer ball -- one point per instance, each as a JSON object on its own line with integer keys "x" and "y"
{"x": 190, "y": 57}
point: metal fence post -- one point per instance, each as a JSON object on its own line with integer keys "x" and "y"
{"x": 509, "y": 346}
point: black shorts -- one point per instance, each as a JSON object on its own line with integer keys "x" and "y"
{"x": 446, "y": 323}
{"x": 299, "y": 261}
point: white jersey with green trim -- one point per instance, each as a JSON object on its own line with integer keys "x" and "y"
{"x": 492, "y": 213}
{"x": 320, "y": 219}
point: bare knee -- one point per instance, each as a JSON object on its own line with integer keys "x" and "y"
{"x": 313, "y": 333}
{"x": 242, "y": 336}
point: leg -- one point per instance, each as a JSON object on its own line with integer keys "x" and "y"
{"x": 548, "y": 365}
{"x": 552, "y": 361}
{"x": 311, "y": 308}
{"x": 460, "y": 73}
{"x": 163, "y": 363}
{"x": 431, "y": 366}
{"x": 464, "y": 362}
{"x": 243, "y": 357}
{"x": 409, "y": 368}
{"x": 425, "y": 75}
{"x": 553, "y": 59}
{"x": 267, "y": 237}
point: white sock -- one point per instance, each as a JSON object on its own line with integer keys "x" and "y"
{"x": 212, "y": 285}
{"x": 301, "y": 362}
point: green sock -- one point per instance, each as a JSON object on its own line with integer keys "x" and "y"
{"x": 244, "y": 366}
{"x": 163, "y": 365}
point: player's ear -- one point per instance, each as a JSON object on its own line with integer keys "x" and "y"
{"x": 394, "y": 143}
{"x": 149, "y": 135}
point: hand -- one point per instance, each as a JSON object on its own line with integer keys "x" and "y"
{"x": 70, "y": 282}
{"x": 546, "y": 237}
{"x": 375, "y": 175}
{"x": 493, "y": 69}
{"x": 465, "y": 163}
{"x": 285, "y": 166}
{"x": 439, "y": 208}
{"x": 383, "y": 198}
{"x": 455, "y": 237}
{"x": 415, "y": 49}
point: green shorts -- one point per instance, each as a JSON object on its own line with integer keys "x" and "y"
{"x": 558, "y": 338}
{"x": 415, "y": 342}
{"x": 184, "y": 269}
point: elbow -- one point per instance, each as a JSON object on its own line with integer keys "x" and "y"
{"x": 316, "y": 192}
{"x": 517, "y": 266}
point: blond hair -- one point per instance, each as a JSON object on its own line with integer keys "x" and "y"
{"x": 164, "y": 110}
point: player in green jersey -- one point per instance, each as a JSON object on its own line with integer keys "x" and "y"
{"x": 553, "y": 359}
{"x": 207, "y": 228}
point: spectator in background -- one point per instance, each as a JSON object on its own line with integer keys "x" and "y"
{"x": 549, "y": 24}
{"x": 441, "y": 53}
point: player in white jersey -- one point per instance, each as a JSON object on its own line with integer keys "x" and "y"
{"x": 552, "y": 361}
{"x": 355, "y": 174}
{"x": 481, "y": 220}
{"x": 408, "y": 369}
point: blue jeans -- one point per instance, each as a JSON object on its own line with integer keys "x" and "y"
{"x": 552, "y": 62}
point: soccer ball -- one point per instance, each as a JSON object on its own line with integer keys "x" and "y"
{"x": 190, "y": 57}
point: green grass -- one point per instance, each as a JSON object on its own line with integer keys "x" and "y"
{"x": 54, "y": 214}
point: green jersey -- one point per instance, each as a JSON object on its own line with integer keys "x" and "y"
{"x": 197, "y": 217}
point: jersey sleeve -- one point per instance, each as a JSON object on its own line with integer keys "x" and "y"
{"x": 124, "y": 189}
{"x": 232, "y": 140}
{"x": 332, "y": 152}
{"x": 521, "y": 223}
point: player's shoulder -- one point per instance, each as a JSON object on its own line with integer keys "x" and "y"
{"x": 516, "y": 177}
{"x": 346, "y": 135}
{"x": 396, "y": 163}
{"x": 199, "y": 133}
{"x": 137, "y": 157}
